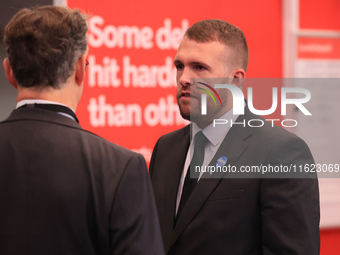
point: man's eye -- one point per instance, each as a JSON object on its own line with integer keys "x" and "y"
{"x": 179, "y": 67}
{"x": 199, "y": 67}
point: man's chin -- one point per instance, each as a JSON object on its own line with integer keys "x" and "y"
{"x": 185, "y": 115}
{"x": 192, "y": 116}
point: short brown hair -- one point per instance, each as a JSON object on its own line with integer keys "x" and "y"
{"x": 43, "y": 45}
{"x": 224, "y": 32}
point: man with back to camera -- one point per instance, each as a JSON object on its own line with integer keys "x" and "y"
{"x": 202, "y": 215}
{"x": 64, "y": 190}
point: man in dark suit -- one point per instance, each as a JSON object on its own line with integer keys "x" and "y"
{"x": 250, "y": 214}
{"x": 64, "y": 190}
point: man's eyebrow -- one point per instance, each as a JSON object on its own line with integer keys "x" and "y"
{"x": 199, "y": 63}
{"x": 176, "y": 62}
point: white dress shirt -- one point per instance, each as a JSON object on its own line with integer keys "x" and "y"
{"x": 215, "y": 136}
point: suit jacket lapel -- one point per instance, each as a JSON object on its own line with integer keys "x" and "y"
{"x": 232, "y": 147}
{"x": 173, "y": 168}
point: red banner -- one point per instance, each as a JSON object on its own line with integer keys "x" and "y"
{"x": 130, "y": 88}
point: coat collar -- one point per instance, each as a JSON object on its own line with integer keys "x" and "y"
{"x": 41, "y": 115}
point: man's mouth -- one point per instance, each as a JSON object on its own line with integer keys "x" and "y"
{"x": 185, "y": 94}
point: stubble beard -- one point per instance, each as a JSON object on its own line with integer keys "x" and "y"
{"x": 194, "y": 115}
{"x": 185, "y": 115}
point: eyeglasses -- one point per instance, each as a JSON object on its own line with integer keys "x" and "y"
{"x": 86, "y": 63}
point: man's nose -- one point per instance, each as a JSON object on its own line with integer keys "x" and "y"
{"x": 184, "y": 78}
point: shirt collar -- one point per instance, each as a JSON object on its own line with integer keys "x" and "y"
{"x": 37, "y": 101}
{"x": 216, "y": 134}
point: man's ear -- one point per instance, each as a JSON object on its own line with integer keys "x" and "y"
{"x": 238, "y": 77}
{"x": 9, "y": 73}
{"x": 80, "y": 70}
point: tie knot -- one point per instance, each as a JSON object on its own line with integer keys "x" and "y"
{"x": 200, "y": 139}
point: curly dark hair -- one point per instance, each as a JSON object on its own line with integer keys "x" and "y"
{"x": 43, "y": 45}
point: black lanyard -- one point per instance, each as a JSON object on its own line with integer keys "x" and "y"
{"x": 54, "y": 108}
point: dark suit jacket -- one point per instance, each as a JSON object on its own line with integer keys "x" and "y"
{"x": 64, "y": 190}
{"x": 243, "y": 215}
